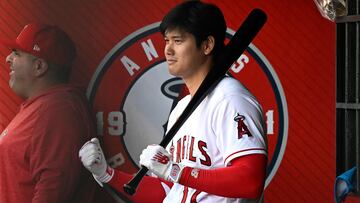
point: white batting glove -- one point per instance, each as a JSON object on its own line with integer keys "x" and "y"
{"x": 159, "y": 161}
{"x": 93, "y": 159}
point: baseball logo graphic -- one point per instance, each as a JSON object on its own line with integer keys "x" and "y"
{"x": 242, "y": 128}
{"x": 133, "y": 94}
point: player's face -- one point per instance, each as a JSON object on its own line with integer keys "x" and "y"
{"x": 21, "y": 72}
{"x": 182, "y": 55}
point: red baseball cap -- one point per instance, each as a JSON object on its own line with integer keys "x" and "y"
{"x": 44, "y": 41}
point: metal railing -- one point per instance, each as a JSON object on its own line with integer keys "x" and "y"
{"x": 348, "y": 91}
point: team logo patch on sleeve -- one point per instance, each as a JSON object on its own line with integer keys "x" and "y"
{"x": 241, "y": 126}
{"x": 195, "y": 173}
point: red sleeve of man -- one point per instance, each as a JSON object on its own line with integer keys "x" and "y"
{"x": 245, "y": 178}
{"x": 60, "y": 131}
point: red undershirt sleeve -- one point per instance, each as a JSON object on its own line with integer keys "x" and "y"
{"x": 150, "y": 188}
{"x": 244, "y": 178}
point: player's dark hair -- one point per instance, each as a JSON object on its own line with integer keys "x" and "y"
{"x": 200, "y": 19}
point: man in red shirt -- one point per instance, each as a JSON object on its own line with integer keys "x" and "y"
{"x": 39, "y": 148}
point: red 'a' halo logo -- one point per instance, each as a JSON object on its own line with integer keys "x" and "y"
{"x": 133, "y": 94}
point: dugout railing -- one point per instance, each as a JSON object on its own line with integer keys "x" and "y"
{"x": 348, "y": 91}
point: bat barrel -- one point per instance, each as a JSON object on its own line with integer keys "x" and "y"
{"x": 241, "y": 40}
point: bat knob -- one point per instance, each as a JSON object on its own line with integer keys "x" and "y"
{"x": 128, "y": 189}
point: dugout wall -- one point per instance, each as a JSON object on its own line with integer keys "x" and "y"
{"x": 290, "y": 68}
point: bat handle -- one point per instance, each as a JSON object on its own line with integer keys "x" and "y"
{"x": 131, "y": 186}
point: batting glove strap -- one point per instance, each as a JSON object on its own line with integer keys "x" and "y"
{"x": 175, "y": 172}
{"x": 106, "y": 177}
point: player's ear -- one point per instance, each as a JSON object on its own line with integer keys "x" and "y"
{"x": 208, "y": 45}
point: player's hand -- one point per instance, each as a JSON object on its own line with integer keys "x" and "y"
{"x": 159, "y": 161}
{"x": 92, "y": 157}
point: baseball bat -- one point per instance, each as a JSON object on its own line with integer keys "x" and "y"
{"x": 232, "y": 51}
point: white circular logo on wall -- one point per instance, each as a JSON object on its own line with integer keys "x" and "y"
{"x": 133, "y": 94}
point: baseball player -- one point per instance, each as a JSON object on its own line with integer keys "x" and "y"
{"x": 220, "y": 152}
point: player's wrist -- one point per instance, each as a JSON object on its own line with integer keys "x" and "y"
{"x": 174, "y": 173}
{"x": 187, "y": 174}
{"x": 104, "y": 177}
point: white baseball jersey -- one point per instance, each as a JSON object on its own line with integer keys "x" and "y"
{"x": 227, "y": 124}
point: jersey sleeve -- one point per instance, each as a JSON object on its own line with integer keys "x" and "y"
{"x": 239, "y": 127}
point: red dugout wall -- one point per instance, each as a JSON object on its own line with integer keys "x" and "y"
{"x": 290, "y": 68}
